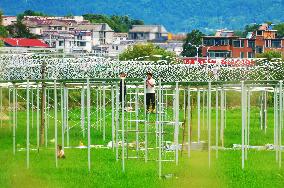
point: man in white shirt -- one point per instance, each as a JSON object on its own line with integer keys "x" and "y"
{"x": 150, "y": 92}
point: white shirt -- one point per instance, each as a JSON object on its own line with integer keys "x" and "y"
{"x": 150, "y": 86}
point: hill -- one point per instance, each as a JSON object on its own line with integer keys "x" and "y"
{"x": 177, "y": 16}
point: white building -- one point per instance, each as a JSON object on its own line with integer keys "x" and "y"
{"x": 148, "y": 32}
{"x": 69, "y": 41}
{"x": 8, "y": 20}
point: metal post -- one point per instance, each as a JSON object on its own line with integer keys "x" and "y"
{"x": 112, "y": 117}
{"x": 145, "y": 125}
{"x": 265, "y": 111}
{"x": 37, "y": 116}
{"x": 177, "y": 122}
{"x": 280, "y": 122}
{"x": 28, "y": 124}
{"x": 104, "y": 112}
{"x": 117, "y": 120}
{"x": 217, "y": 123}
{"x": 32, "y": 103}
{"x": 14, "y": 119}
{"x": 209, "y": 123}
{"x": 222, "y": 117}
{"x": 248, "y": 122}
{"x": 122, "y": 125}
{"x": 89, "y": 122}
{"x": 45, "y": 119}
{"x": 62, "y": 117}
{"x": 243, "y": 122}
{"x": 1, "y": 105}
{"x": 198, "y": 115}
{"x": 66, "y": 115}
{"x": 55, "y": 122}
{"x": 83, "y": 110}
{"x": 160, "y": 130}
{"x": 137, "y": 123}
{"x": 188, "y": 120}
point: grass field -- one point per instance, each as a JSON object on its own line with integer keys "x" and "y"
{"x": 261, "y": 169}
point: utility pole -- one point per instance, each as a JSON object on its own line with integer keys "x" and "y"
{"x": 43, "y": 86}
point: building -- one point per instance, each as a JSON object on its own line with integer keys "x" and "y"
{"x": 148, "y": 33}
{"x": 69, "y": 41}
{"x": 8, "y": 20}
{"x": 226, "y": 45}
{"x": 172, "y": 46}
{"x": 24, "y": 42}
{"x": 70, "y": 34}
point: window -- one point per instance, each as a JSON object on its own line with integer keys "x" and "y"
{"x": 242, "y": 54}
{"x": 259, "y": 49}
{"x": 276, "y": 44}
{"x": 218, "y": 54}
{"x": 251, "y": 44}
{"x": 82, "y": 43}
{"x": 61, "y": 43}
{"x": 250, "y": 55}
{"x": 259, "y": 33}
{"x": 208, "y": 42}
{"x": 238, "y": 43}
{"x": 116, "y": 47}
{"x": 221, "y": 42}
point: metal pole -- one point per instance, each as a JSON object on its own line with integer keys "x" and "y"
{"x": 222, "y": 117}
{"x": 122, "y": 125}
{"x": 188, "y": 121}
{"x": 209, "y": 124}
{"x": 62, "y": 117}
{"x": 160, "y": 130}
{"x": 117, "y": 119}
{"x": 83, "y": 110}
{"x": 14, "y": 119}
{"x": 37, "y": 116}
{"x": 137, "y": 123}
{"x": 55, "y": 122}
{"x": 198, "y": 115}
{"x": 89, "y": 123}
{"x": 265, "y": 111}
{"x": 145, "y": 125}
{"x": 32, "y": 93}
{"x": 280, "y": 122}
{"x": 248, "y": 122}
{"x": 104, "y": 112}
{"x": 243, "y": 123}
{"x": 177, "y": 122}
{"x": 67, "y": 115}
{"x": 217, "y": 126}
{"x": 112, "y": 117}
{"x": 28, "y": 124}
{"x": 45, "y": 119}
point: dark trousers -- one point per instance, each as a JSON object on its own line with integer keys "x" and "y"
{"x": 150, "y": 100}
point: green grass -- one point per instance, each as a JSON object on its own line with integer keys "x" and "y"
{"x": 261, "y": 169}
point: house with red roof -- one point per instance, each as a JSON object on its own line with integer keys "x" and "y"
{"x": 24, "y": 42}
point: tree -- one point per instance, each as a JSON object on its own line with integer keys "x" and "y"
{"x": 280, "y": 30}
{"x": 270, "y": 55}
{"x": 20, "y": 30}
{"x": 3, "y": 31}
{"x": 117, "y": 23}
{"x": 194, "y": 38}
{"x": 1, "y": 17}
{"x": 29, "y": 13}
{"x": 147, "y": 52}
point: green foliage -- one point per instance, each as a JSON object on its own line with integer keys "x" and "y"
{"x": 3, "y": 31}
{"x": 117, "y": 23}
{"x": 1, "y": 18}
{"x": 1, "y": 43}
{"x": 142, "y": 50}
{"x": 280, "y": 29}
{"x": 19, "y": 30}
{"x": 29, "y": 13}
{"x": 270, "y": 55}
{"x": 195, "y": 38}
